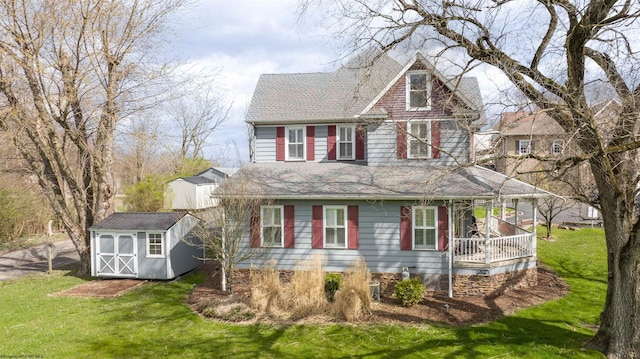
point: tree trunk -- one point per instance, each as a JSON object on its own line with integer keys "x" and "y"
{"x": 618, "y": 335}
{"x": 85, "y": 262}
{"x": 230, "y": 277}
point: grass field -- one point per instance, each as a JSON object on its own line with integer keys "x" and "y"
{"x": 153, "y": 321}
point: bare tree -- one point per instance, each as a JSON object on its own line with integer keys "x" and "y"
{"x": 193, "y": 115}
{"x": 224, "y": 230}
{"x": 69, "y": 72}
{"x": 551, "y": 51}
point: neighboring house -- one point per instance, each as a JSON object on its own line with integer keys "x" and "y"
{"x": 523, "y": 133}
{"x": 376, "y": 163}
{"x": 144, "y": 246}
{"x": 196, "y": 192}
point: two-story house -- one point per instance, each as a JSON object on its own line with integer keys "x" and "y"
{"x": 376, "y": 163}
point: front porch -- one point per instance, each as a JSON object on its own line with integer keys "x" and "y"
{"x": 500, "y": 241}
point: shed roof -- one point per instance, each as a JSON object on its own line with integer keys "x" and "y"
{"x": 342, "y": 180}
{"x": 137, "y": 221}
{"x": 198, "y": 180}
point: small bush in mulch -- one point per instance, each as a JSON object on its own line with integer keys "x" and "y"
{"x": 409, "y": 291}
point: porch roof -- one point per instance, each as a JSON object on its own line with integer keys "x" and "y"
{"x": 344, "y": 180}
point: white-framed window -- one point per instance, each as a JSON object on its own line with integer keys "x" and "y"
{"x": 557, "y": 146}
{"x": 425, "y": 227}
{"x": 524, "y": 147}
{"x": 419, "y": 139}
{"x": 418, "y": 91}
{"x": 346, "y": 142}
{"x": 155, "y": 245}
{"x": 272, "y": 226}
{"x": 335, "y": 226}
{"x": 295, "y": 143}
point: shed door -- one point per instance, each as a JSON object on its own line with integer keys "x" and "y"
{"x": 116, "y": 255}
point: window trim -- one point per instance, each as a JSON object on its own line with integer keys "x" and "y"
{"x": 527, "y": 148}
{"x": 408, "y": 90}
{"x": 345, "y": 225}
{"x": 162, "y": 245}
{"x": 303, "y": 141}
{"x": 262, "y": 226}
{"x": 352, "y": 142}
{"x": 553, "y": 146}
{"x": 414, "y": 227}
{"x": 410, "y": 137}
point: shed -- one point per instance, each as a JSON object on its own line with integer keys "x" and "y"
{"x": 196, "y": 192}
{"x": 145, "y": 245}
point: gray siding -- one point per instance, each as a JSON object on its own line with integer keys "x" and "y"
{"x": 379, "y": 242}
{"x": 149, "y": 268}
{"x": 382, "y": 145}
{"x": 265, "y": 144}
{"x": 183, "y": 257}
{"x": 321, "y": 143}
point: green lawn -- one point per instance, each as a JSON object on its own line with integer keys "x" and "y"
{"x": 153, "y": 321}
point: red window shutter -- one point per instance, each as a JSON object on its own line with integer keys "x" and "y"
{"x": 435, "y": 139}
{"x": 443, "y": 228}
{"x": 311, "y": 143}
{"x": 402, "y": 140}
{"x": 254, "y": 223}
{"x": 316, "y": 227}
{"x": 280, "y": 143}
{"x": 352, "y": 218}
{"x": 360, "y": 131}
{"x": 289, "y": 216}
{"x": 331, "y": 143}
{"x": 405, "y": 228}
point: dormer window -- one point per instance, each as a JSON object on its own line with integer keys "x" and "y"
{"x": 295, "y": 143}
{"x": 418, "y": 91}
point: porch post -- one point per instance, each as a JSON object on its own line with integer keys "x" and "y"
{"x": 503, "y": 210}
{"x": 515, "y": 218}
{"x": 534, "y": 230}
{"x": 487, "y": 232}
{"x": 451, "y": 244}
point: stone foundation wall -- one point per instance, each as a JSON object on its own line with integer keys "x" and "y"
{"x": 487, "y": 285}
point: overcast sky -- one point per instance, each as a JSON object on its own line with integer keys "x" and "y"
{"x": 243, "y": 39}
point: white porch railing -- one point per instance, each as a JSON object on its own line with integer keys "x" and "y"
{"x": 480, "y": 250}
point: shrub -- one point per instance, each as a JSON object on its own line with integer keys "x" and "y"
{"x": 265, "y": 286}
{"x": 306, "y": 294}
{"x": 354, "y": 297}
{"x": 332, "y": 283}
{"x": 410, "y": 292}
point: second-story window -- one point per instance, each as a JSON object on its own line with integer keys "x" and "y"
{"x": 418, "y": 138}
{"x": 523, "y": 147}
{"x": 418, "y": 90}
{"x": 346, "y": 142}
{"x": 295, "y": 143}
{"x": 557, "y": 146}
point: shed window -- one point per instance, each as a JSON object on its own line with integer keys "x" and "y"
{"x": 155, "y": 247}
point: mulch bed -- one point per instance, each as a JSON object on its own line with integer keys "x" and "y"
{"x": 437, "y": 308}
{"x": 104, "y": 288}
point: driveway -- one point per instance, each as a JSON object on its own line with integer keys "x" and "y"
{"x": 18, "y": 263}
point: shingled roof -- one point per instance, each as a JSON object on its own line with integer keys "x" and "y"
{"x": 133, "y": 221}
{"x": 333, "y": 96}
{"x": 345, "y": 181}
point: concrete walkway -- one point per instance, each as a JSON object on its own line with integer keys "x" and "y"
{"x": 21, "y": 262}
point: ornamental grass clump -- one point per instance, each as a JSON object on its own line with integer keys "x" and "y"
{"x": 354, "y": 298}
{"x": 305, "y": 295}
{"x": 409, "y": 291}
{"x": 265, "y": 287}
